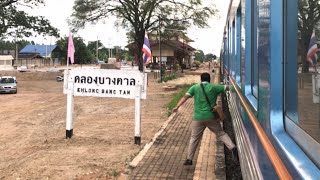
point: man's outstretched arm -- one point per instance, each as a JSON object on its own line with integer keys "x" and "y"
{"x": 227, "y": 87}
{"x": 182, "y": 101}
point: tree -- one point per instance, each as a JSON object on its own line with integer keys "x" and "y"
{"x": 14, "y": 22}
{"x": 10, "y": 45}
{"x": 199, "y": 56}
{"x": 309, "y": 16}
{"x": 81, "y": 56}
{"x": 138, "y": 16}
{"x": 102, "y": 51}
{"x": 210, "y": 57}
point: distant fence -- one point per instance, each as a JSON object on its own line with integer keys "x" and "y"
{"x": 155, "y": 74}
{"x": 32, "y": 63}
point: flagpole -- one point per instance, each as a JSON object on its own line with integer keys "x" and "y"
{"x": 67, "y": 62}
{"x": 67, "y": 70}
{"x": 68, "y": 54}
{"x": 51, "y": 51}
{"x": 143, "y": 75}
{"x": 146, "y": 53}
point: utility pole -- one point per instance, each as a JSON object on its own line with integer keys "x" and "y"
{"x": 97, "y": 47}
{"x": 160, "y": 59}
{"x": 182, "y": 55}
{"x": 16, "y": 50}
{"x": 109, "y": 44}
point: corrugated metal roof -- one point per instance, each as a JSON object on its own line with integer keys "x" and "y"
{"x": 6, "y": 57}
{"x": 42, "y": 50}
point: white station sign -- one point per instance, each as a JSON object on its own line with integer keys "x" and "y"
{"x": 107, "y": 83}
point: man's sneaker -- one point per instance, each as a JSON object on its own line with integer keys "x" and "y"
{"x": 188, "y": 162}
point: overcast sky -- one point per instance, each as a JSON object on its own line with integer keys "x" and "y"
{"x": 57, "y": 11}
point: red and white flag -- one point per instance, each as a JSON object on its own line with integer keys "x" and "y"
{"x": 147, "y": 56}
{"x": 70, "y": 49}
{"x": 312, "y": 56}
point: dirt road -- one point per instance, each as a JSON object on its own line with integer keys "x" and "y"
{"x": 32, "y": 130}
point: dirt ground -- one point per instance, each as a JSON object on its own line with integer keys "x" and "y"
{"x": 33, "y": 122}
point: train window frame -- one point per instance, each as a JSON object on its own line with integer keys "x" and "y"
{"x": 233, "y": 44}
{"x": 282, "y": 129}
{"x": 225, "y": 53}
{"x": 250, "y": 92}
{"x": 309, "y": 145}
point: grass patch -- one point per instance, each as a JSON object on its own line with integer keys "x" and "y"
{"x": 114, "y": 173}
{"x": 177, "y": 96}
{"x": 168, "y": 77}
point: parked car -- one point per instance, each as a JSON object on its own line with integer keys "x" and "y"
{"x": 60, "y": 77}
{"x": 8, "y": 84}
{"x": 22, "y": 68}
{"x": 101, "y": 62}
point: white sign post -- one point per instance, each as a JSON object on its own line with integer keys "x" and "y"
{"x": 106, "y": 83}
{"x": 137, "y": 117}
{"x": 69, "y": 126}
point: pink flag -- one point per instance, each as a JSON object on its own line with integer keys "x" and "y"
{"x": 70, "y": 49}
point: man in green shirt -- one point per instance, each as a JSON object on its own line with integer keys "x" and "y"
{"x": 203, "y": 116}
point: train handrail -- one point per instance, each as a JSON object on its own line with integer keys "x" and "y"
{"x": 268, "y": 147}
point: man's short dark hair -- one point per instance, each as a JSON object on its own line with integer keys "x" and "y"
{"x": 205, "y": 77}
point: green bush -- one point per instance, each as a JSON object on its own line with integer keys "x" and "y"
{"x": 176, "y": 67}
{"x": 170, "y": 77}
{"x": 177, "y": 96}
{"x": 196, "y": 63}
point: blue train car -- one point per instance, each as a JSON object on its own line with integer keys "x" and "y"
{"x": 269, "y": 54}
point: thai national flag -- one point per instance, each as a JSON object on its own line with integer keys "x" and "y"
{"x": 312, "y": 56}
{"x": 70, "y": 49}
{"x": 146, "y": 50}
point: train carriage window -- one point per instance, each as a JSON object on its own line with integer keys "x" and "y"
{"x": 302, "y": 78}
{"x": 254, "y": 62}
{"x": 238, "y": 45}
{"x": 251, "y": 52}
{"x": 225, "y": 48}
{"x": 230, "y": 49}
{"x": 233, "y": 61}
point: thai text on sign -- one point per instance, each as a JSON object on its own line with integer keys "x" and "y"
{"x": 107, "y": 83}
